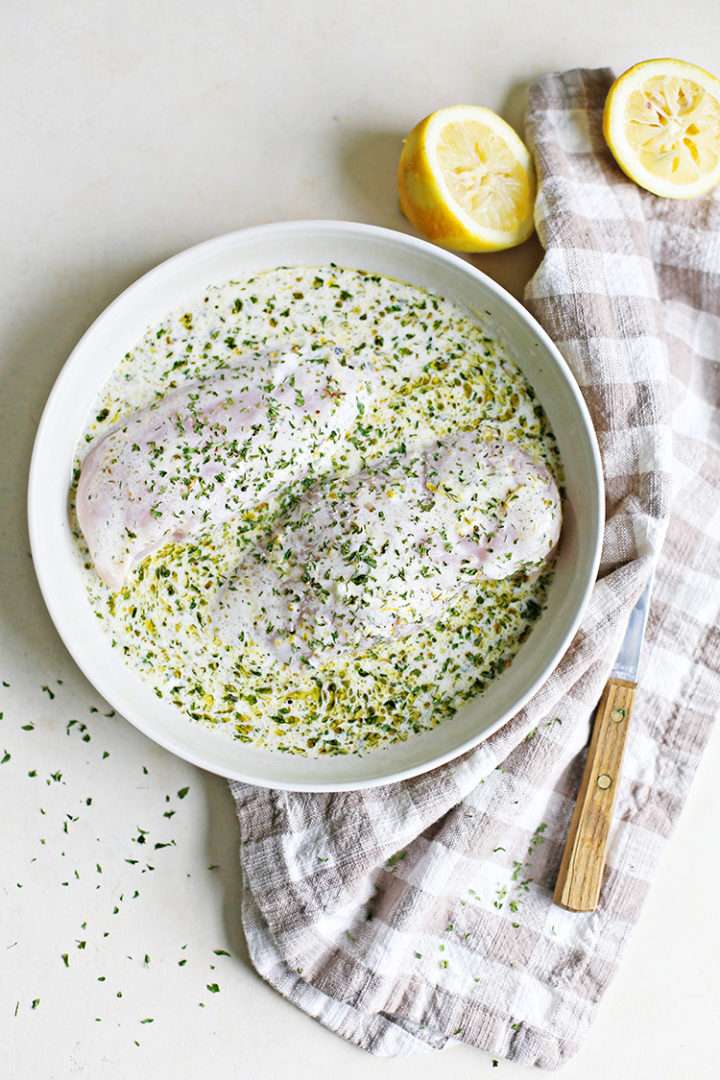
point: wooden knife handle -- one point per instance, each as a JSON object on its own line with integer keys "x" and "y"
{"x": 583, "y": 861}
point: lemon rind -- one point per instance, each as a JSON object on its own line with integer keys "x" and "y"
{"x": 443, "y": 220}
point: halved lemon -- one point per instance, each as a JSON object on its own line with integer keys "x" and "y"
{"x": 466, "y": 180}
{"x": 662, "y": 124}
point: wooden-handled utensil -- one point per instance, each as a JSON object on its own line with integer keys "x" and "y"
{"x": 583, "y": 861}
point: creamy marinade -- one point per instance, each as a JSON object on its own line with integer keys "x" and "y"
{"x": 435, "y": 372}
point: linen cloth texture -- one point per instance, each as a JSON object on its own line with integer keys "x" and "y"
{"x": 413, "y": 915}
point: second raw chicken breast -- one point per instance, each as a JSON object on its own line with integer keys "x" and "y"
{"x": 382, "y": 553}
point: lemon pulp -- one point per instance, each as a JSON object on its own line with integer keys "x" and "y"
{"x": 466, "y": 180}
{"x": 483, "y": 176}
{"x": 662, "y": 124}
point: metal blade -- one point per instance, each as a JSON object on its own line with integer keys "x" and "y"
{"x": 628, "y": 659}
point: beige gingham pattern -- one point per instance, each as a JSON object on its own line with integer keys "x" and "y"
{"x": 408, "y": 916}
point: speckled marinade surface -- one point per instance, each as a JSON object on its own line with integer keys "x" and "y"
{"x": 440, "y": 373}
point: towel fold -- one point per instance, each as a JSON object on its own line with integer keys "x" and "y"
{"x": 411, "y": 915}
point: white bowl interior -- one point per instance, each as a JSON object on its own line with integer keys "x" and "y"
{"x": 311, "y": 243}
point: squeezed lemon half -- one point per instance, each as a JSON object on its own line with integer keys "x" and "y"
{"x": 662, "y": 124}
{"x": 466, "y": 180}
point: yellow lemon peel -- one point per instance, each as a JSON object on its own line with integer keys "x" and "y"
{"x": 466, "y": 180}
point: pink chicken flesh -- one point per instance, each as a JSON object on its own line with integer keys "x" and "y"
{"x": 205, "y": 452}
{"x": 383, "y": 553}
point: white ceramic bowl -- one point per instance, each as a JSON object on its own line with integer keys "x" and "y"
{"x": 310, "y": 243}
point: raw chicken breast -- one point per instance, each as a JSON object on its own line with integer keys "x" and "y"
{"x": 203, "y": 453}
{"x": 383, "y": 553}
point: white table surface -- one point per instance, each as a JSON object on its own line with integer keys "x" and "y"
{"x": 130, "y": 131}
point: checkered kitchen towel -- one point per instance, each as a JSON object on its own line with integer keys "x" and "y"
{"x": 418, "y": 913}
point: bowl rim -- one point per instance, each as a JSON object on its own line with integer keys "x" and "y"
{"x": 175, "y": 264}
